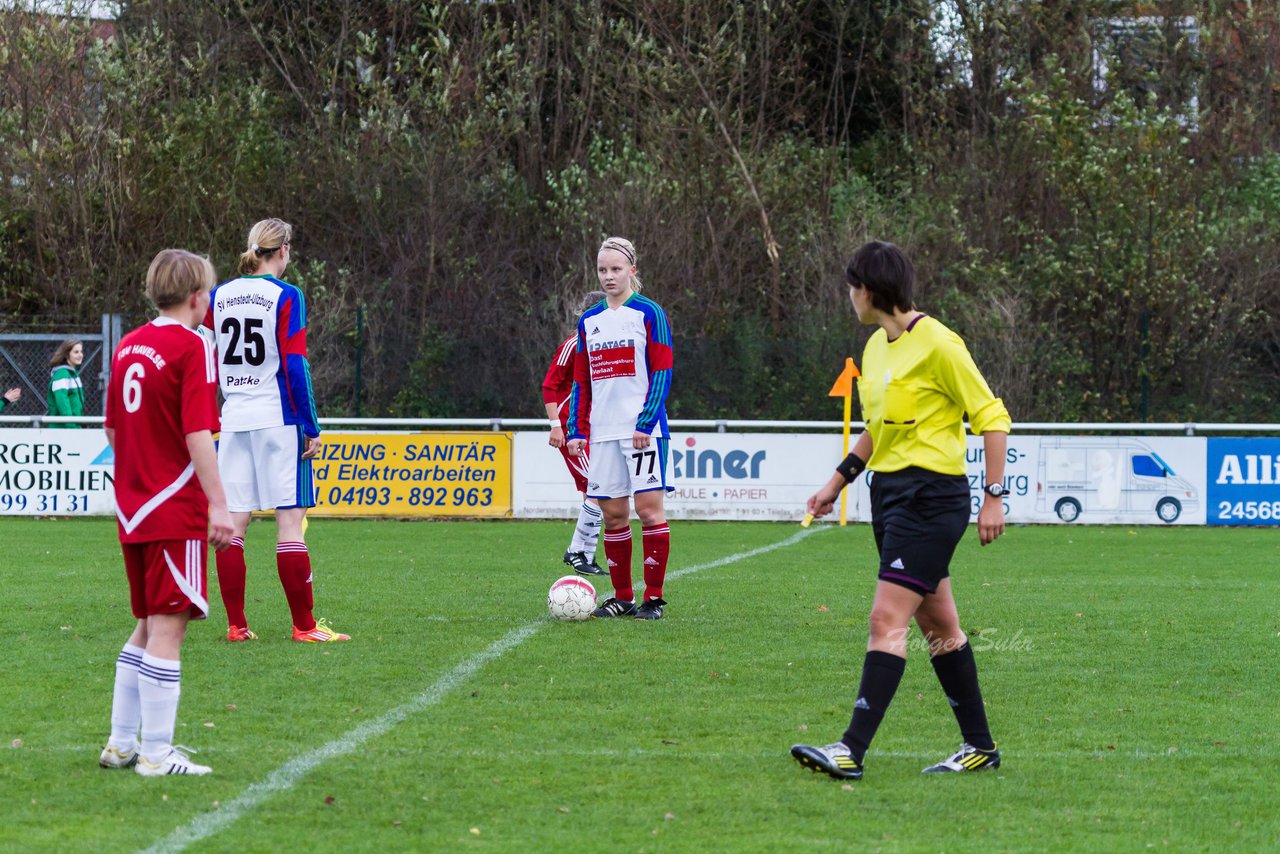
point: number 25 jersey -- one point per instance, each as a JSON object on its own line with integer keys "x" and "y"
{"x": 260, "y": 325}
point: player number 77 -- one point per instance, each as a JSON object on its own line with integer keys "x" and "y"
{"x": 639, "y": 457}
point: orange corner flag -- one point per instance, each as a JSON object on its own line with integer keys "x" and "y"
{"x": 844, "y": 382}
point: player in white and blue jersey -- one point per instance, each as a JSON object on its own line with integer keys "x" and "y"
{"x": 270, "y": 431}
{"x": 622, "y": 376}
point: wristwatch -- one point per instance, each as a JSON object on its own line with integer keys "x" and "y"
{"x": 995, "y": 490}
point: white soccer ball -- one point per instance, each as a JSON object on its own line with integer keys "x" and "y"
{"x": 571, "y": 598}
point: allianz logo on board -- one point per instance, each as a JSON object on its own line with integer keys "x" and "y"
{"x": 1256, "y": 469}
{"x": 737, "y": 464}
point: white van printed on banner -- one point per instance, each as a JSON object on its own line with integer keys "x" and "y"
{"x": 1115, "y": 478}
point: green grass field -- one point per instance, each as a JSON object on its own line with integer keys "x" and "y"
{"x": 1129, "y": 675}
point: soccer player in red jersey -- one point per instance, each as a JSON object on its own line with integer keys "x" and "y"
{"x": 162, "y": 412}
{"x": 557, "y": 387}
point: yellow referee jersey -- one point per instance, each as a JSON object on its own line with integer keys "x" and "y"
{"x": 915, "y": 392}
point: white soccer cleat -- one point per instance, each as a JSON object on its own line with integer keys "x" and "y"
{"x": 114, "y": 757}
{"x": 834, "y": 760}
{"x": 176, "y": 762}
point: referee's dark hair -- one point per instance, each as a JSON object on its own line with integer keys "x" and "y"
{"x": 886, "y": 272}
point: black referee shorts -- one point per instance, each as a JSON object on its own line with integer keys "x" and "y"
{"x": 918, "y": 517}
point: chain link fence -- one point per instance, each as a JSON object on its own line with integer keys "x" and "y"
{"x": 24, "y": 363}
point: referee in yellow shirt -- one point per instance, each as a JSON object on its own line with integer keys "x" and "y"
{"x": 918, "y": 382}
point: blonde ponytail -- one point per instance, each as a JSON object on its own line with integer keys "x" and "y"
{"x": 265, "y": 238}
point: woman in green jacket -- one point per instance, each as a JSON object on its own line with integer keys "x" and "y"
{"x": 66, "y": 392}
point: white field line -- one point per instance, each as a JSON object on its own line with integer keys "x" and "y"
{"x": 789, "y": 541}
{"x": 283, "y": 778}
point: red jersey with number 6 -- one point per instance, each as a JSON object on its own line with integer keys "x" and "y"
{"x": 163, "y": 386}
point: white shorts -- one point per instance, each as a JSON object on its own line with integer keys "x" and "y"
{"x": 264, "y": 470}
{"x": 618, "y": 470}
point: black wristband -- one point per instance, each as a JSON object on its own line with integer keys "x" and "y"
{"x": 851, "y": 467}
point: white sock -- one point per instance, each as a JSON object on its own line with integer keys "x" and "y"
{"x": 125, "y": 705}
{"x": 159, "y": 687}
{"x": 587, "y": 532}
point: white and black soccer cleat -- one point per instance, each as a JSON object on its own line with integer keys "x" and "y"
{"x": 967, "y": 758}
{"x": 581, "y": 565}
{"x": 615, "y": 608}
{"x": 834, "y": 760}
{"x": 175, "y": 762}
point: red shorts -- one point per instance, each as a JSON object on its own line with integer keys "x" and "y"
{"x": 167, "y": 577}
{"x": 577, "y": 465}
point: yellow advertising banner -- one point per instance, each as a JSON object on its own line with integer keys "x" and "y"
{"x": 413, "y": 474}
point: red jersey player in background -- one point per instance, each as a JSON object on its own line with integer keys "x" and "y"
{"x": 557, "y": 387}
{"x": 162, "y": 412}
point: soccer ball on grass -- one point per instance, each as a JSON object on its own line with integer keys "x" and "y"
{"x": 571, "y": 598}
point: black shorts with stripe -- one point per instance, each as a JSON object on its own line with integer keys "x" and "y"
{"x": 918, "y": 517}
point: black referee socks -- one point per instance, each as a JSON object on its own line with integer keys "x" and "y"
{"x": 958, "y": 674}
{"x": 881, "y": 673}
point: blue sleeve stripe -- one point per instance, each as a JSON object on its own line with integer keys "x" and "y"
{"x": 293, "y": 293}
{"x": 658, "y": 317}
{"x": 655, "y": 400}
{"x": 298, "y": 397}
{"x": 313, "y": 416}
{"x": 659, "y": 381}
{"x": 302, "y": 307}
{"x": 574, "y": 432}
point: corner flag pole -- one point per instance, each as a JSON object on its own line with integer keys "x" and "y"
{"x": 844, "y": 388}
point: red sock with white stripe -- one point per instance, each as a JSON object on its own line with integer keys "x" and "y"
{"x": 294, "y": 565}
{"x": 656, "y": 540}
{"x": 617, "y": 551}
{"x": 231, "y": 574}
